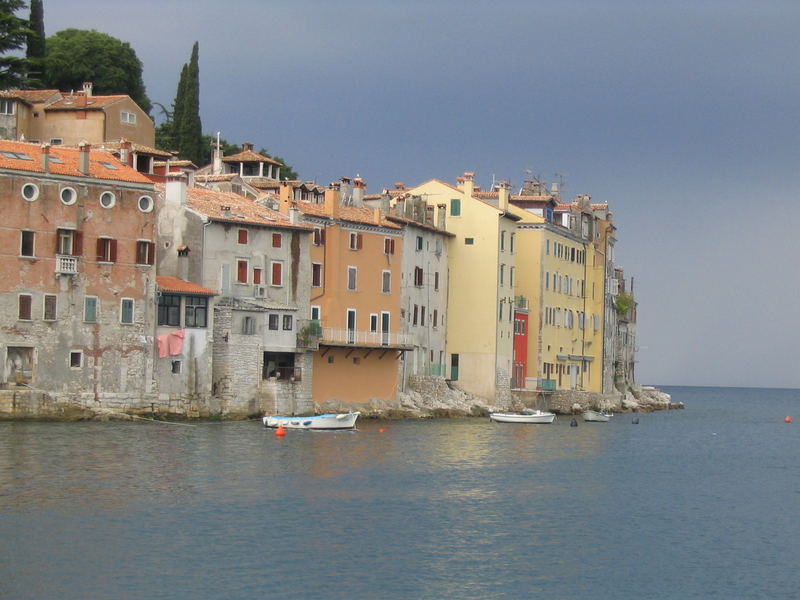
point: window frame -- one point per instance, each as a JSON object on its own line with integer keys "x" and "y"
{"x": 352, "y": 278}
{"x": 31, "y": 234}
{"x": 195, "y": 310}
{"x": 54, "y": 315}
{"x": 386, "y": 281}
{"x": 276, "y": 267}
{"x": 165, "y": 312}
{"x": 25, "y": 307}
{"x": 87, "y": 302}
{"x": 122, "y": 311}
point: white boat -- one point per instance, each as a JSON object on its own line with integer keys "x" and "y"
{"x": 598, "y": 416}
{"x": 526, "y": 416}
{"x": 327, "y": 421}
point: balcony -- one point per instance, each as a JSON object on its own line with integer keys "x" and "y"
{"x": 547, "y": 385}
{"x": 371, "y": 339}
{"x": 521, "y": 302}
{"x": 66, "y": 265}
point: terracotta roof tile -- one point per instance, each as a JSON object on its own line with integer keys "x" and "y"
{"x": 250, "y": 156}
{"x": 81, "y": 102}
{"x": 179, "y": 286}
{"x": 116, "y": 146}
{"x": 30, "y": 96}
{"x": 68, "y": 164}
{"x": 241, "y": 210}
{"x": 354, "y": 214}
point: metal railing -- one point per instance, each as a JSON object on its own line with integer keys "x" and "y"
{"x": 357, "y": 337}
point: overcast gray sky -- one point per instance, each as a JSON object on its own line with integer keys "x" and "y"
{"x": 682, "y": 115}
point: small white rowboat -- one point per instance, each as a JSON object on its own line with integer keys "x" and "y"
{"x": 529, "y": 416}
{"x": 328, "y": 421}
{"x": 597, "y": 416}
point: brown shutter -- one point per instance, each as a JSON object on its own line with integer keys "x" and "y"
{"x": 151, "y": 253}
{"x": 322, "y": 237}
{"x": 77, "y": 243}
{"x": 100, "y": 249}
{"x": 113, "y": 250}
{"x": 359, "y": 241}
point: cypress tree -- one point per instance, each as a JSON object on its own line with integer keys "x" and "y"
{"x": 177, "y": 109}
{"x": 13, "y": 34}
{"x": 36, "y": 48}
{"x": 190, "y": 129}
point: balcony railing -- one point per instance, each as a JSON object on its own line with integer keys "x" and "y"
{"x": 548, "y": 385}
{"x": 356, "y": 337}
{"x": 66, "y": 265}
{"x": 521, "y": 302}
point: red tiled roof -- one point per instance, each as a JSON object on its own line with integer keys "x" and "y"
{"x": 82, "y": 102}
{"x": 141, "y": 148}
{"x": 69, "y": 162}
{"x": 354, "y": 214}
{"x": 250, "y": 156}
{"x": 241, "y": 210}
{"x": 30, "y": 96}
{"x": 179, "y": 286}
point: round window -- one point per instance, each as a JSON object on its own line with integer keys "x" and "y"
{"x": 108, "y": 199}
{"x": 30, "y": 191}
{"x": 68, "y": 195}
{"x": 145, "y": 204}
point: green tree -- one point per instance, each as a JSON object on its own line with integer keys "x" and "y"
{"x": 187, "y": 125}
{"x": 13, "y": 35}
{"x": 36, "y": 45}
{"x": 74, "y": 56}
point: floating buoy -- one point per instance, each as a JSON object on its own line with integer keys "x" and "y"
{"x": 574, "y": 422}
{"x": 635, "y": 421}
{"x": 280, "y": 431}
{"x": 380, "y": 430}
{"x": 787, "y": 420}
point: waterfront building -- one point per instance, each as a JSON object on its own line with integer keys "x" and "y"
{"x": 77, "y": 276}
{"x": 356, "y": 262}
{"x": 56, "y": 118}
{"x": 482, "y": 263}
{"x": 258, "y": 261}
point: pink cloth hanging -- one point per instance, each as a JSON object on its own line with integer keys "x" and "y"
{"x": 163, "y": 345}
{"x": 176, "y": 342}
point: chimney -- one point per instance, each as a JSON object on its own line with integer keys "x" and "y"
{"x": 46, "y": 158}
{"x": 294, "y": 214}
{"x": 359, "y": 188}
{"x": 176, "y": 189}
{"x": 247, "y": 146}
{"x": 503, "y": 194}
{"x": 332, "y": 201}
{"x": 442, "y": 210}
{"x": 83, "y": 158}
{"x": 376, "y": 214}
{"x": 345, "y": 195}
{"x": 87, "y": 89}
{"x": 469, "y": 183}
{"x": 385, "y": 201}
{"x": 125, "y": 147}
{"x": 429, "y": 215}
{"x": 285, "y": 200}
{"x": 400, "y": 207}
{"x": 399, "y": 185}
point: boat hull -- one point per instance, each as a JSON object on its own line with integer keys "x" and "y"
{"x": 596, "y": 416}
{"x": 535, "y": 417}
{"x": 328, "y": 421}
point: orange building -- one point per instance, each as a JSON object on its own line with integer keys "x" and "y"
{"x": 355, "y": 297}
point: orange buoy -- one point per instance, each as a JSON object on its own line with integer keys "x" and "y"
{"x": 380, "y": 430}
{"x": 280, "y": 431}
{"x": 787, "y": 420}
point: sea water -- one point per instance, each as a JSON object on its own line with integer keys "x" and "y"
{"x": 694, "y": 503}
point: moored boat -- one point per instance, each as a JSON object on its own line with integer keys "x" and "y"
{"x": 597, "y": 416}
{"x": 326, "y": 421}
{"x": 527, "y": 416}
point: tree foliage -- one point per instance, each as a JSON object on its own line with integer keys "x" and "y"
{"x": 188, "y": 128}
{"x": 74, "y": 56}
{"x": 13, "y": 35}
{"x": 36, "y": 45}
{"x": 623, "y": 303}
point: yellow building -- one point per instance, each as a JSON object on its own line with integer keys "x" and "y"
{"x": 480, "y": 325}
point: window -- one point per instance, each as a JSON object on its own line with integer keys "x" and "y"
{"x": 316, "y": 313}
{"x": 145, "y": 204}
{"x": 169, "y": 310}
{"x": 106, "y": 250}
{"x": 90, "y": 309}
{"x": 68, "y": 196}
{"x": 319, "y": 236}
{"x": 30, "y": 191}
{"x": 50, "y": 307}
{"x": 419, "y": 243}
{"x": 196, "y": 311}
{"x": 25, "y": 302}
{"x": 502, "y": 241}
{"x": 108, "y": 199}
{"x": 56, "y": 141}
{"x": 6, "y": 107}
{"x": 277, "y": 273}
{"x": 26, "y": 245}
{"x": 242, "y": 269}
{"x": 127, "y": 117}
{"x": 373, "y": 323}
{"x": 287, "y": 322}
{"x": 388, "y": 246}
{"x": 126, "y": 311}
{"x": 243, "y": 236}
{"x": 356, "y": 241}
{"x": 276, "y": 240}
{"x": 257, "y": 275}
{"x": 248, "y": 325}
{"x": 512, "y": 242}
{"x": 511, "y": 277}
{"x": 435, "y": 318}
{"x": 145, "y": 252}
{"x": 422, "y": 316}
{"x": 455, "y": 207}
{"x": 386, "y": 287}
{"x": 352, "y": 275}
{"x": 436, "y": 281}
{"x": 176, "y": 366}
{"x": 273, "y": 322}
{"x": 469, "y": 241}
{"x": 316, "y": 274}
{"x": 416, "y": 315}
{"x": 419, "y": 276}
{"x": 75, "y": 359}
{"x": 502, "y": 274}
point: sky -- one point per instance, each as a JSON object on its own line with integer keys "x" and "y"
{"x": 683, "y": 115}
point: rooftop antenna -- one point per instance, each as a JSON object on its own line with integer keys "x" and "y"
{"x": 561, "y": 178}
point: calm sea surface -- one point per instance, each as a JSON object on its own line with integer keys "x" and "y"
{"x": 699, "y": 503}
